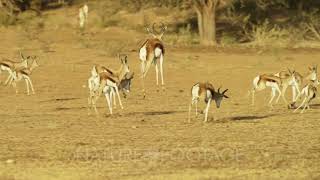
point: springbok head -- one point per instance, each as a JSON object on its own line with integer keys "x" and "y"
{"x": 218, "y": 96}
{"x": 313, "y": 71}
{"x": 124, "y": 63}
{"x": 34, "y": 63}
{"x": 293, "y": 74}
{"x": 125, "y": 84}
{"x": 156, "y": 34}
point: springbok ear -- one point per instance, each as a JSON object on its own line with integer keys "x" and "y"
{"x": 225, "y": 96}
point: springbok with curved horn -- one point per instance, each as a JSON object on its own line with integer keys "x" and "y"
{"x": 10, "y": 66}
{"x": 310, "y": 93}
{"x": 150, "y": 51}
{"x": 276, "y": 84}
{"x": 206, "y": 92}
{"x": 24, "y": 73}
{"x": 311, "y": 76}
{"x": 107, "y": 81}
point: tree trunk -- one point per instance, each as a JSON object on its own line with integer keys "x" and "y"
{"x": 206, "y": 23}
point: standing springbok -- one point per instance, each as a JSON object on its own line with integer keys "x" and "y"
{"x": 150, "y": 51}
{"x": 310, "y": 93}
{"x": 83, "y": 15}
{"x": 261, "y": 82}
{"x": 24, "y": 73}
{"x": 206, "y": 92}
{"x": 311, "y": 76}
{"x": 10, "y": 66}
{"x": 104, "y": 80}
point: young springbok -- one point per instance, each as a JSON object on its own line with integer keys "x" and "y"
{"x": 10, "y": 66}
{"x": 261, "y": 82}
{"x": 310, "y": 93}
{"x": 311, "y": 76}
{"x": 104, "y": 80}
{"x": 24, "y": 73}
{"x": 206, "y": 92}
{"x": 150, "y": 51}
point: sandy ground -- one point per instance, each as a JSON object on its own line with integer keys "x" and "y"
{"x": 49, "y": 135}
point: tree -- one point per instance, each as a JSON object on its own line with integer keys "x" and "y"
{"x": 206, "y": 15}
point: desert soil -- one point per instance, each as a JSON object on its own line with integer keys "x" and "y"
{"x": 49, "y": 135}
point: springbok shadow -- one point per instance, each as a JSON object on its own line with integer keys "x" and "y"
{"x": 244, "y": 118}
{"x": 59, "y": 99}
{"x": 315, "y": 106}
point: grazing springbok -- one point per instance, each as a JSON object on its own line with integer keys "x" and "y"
{"x": 206, "y": 92}
{"x": 261, "y": 82}
{"x": 10, "y": 66}
{"x": 24, "y": 73}
{"x": 311, "y": 76}
{"x": 83, "y": 15}
{"x": 107, "y": 81}
{"x": 310, "y": 93}
{"x": 150, "y": 51}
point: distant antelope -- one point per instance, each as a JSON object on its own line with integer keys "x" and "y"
{"x": 206, "y": 92}
{"x": 275, "y": 83}
{"x": 150, "y": 51}
{"x": 83, "y": 15}
{"x": 104, "y": 80}
{"x": 311, "y": 76}
{"x": 25, "y": 73}
{"x": 310, "y": 93}
{"x": 10, "y": 66}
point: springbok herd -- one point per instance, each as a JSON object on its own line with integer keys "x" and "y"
{"x": 109, "y": 82}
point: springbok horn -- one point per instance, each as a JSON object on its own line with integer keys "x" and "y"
{"x": 225, "y": 91}
{"x": 155, "y": 28}
{"x": 219, "y": 89}
{"x": 21, "y": 55}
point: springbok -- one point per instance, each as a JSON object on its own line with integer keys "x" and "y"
{"x": 104, "y": 80}
{"x": 261, "y": 82}
{"x": 311, "y": 76}
{"x": 206, "y": 92}
{"x": 24, "y": 73}
{"x": 310, "y": 93}
{"x": 83, "y": 15}
{"x": 10, "y": 66}
{"x": 150, "y": 51}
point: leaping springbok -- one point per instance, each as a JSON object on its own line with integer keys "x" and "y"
{"x": 150, "y": 51}
{"x": 206, "y": 92}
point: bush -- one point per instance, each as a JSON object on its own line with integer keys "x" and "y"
{"x": 6, "y": 20}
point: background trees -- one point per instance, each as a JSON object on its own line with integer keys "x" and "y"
{"x": 244, "y": 20}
